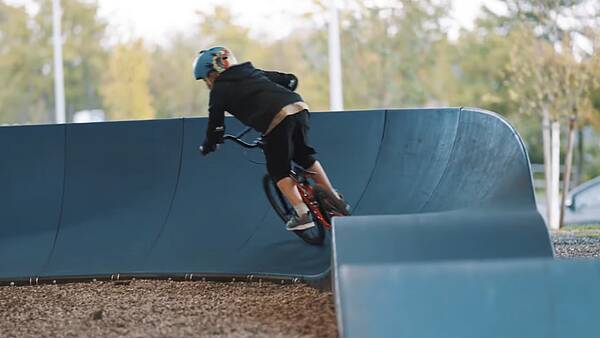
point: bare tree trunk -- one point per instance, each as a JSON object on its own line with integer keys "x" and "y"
{"x": 546, "y": 138}
{"x": 580, "y": 159}
{"x": 568, "y": 166}
{"x": 555, "y": 184}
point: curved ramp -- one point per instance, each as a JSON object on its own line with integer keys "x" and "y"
{"x": 136, "y": 198}
{"x": 372, "y": 254}
{"x": 445, "y": 159}
{"x": 455, "y": 246}
{"x": 120, "y": 181}
{"x": 527, "y": 298}
{"x": 31, "y": 191}
{"x": 465, "y": 234}
{"x": 454, "y": 232}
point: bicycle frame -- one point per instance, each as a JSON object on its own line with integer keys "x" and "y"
{"x": 300, "y": 179}
{"x": 308, "y": 196}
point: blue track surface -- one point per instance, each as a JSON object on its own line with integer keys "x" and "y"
{"x": 538, "y": 298}
{"x": 444, "y": 199}
{"x": 137, "y": 198}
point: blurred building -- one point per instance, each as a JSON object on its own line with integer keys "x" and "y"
{"x": 94, "y": 115}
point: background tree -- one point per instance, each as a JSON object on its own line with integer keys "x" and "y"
{"x": 387, "y": 50}
{"x": 19, "y": 101}
{"x": 587, "y": 156}
{"x": 395, "y": 54}
{"x": 84, "y": 57}
{"x": 476, "y": 62}
{"x": 126, "y": 92}
{"x": 547, "y": 78}
{"x": 172, "y": 84}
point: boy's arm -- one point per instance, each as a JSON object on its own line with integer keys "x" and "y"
{"x": 289, "y": 81}
{"x": 215, "y": 129}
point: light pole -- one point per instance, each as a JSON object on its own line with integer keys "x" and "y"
{"x": 336, "y": 101}
{"x": 59, "y": 82}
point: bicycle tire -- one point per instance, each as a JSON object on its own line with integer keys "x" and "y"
{"x": 276, "y": 199}
{"x": 312, "y": 236}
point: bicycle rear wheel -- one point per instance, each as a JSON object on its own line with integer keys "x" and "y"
{"x": 313, "y": 236}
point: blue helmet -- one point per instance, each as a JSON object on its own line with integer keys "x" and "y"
{"x": 216, "y": 59}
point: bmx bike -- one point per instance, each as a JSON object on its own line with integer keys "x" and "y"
{"x": 322, "y": 205}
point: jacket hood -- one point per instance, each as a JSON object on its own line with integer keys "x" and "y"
{"x": 237, "y": 72}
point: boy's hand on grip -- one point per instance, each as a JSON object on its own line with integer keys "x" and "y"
{"x": 207, "y": 148}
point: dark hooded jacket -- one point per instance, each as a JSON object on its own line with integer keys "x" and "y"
{"x": 252, "y": 95}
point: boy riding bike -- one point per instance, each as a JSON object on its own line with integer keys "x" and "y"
{"x": 265, "y": 101}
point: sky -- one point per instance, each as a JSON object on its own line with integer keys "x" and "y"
{"x": 157, "y": 20}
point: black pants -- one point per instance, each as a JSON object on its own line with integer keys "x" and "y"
{"x": 286, "y": 143}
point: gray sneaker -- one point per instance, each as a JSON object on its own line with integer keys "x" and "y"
{"x": 333, "y": 203}
{"x": 300, "y": 222}
{"x": 342, "y": 206}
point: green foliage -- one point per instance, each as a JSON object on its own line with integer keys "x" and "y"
{"x": 172, "y": 85}
{"x": 583, "y": 231}
{"x": 83, "y": 55}
{"x": 529, "y": 129}
{"x": 387, "y": 52}
{"x": 552, "y": 20}
{"x": 303, "y": 56}
{"x": 125, "y": 91}
{"x": 547, "y": 73}
{"x": 218, "y": 28}
{"x": 471, "y": 71}
{"x": 26, "y": 63}
{"x": 17, "y": 97}
{"x": 175, "y": 90}
{"x": 395, "y": 53}
{"x": 591, "y": 155}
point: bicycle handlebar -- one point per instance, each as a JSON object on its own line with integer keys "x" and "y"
{"x": 244, "y": 132}
{"x": 236, "y": 139}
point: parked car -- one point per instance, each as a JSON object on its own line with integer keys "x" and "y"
{"x": 583, "y": 203}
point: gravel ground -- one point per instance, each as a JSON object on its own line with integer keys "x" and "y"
{"x": 577, "y": 242}
{"x": 194, "y": 309}
{"x": 166, "y": 309}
